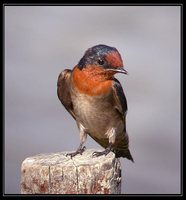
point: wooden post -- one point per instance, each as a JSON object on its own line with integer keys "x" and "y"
{"x": 55, "y": 173}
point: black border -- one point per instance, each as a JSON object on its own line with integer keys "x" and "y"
{"x": 181, "y": 92}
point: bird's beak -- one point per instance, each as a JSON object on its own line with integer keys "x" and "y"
{"x": 118, "y": 70}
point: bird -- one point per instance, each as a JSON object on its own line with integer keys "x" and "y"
{"x": 96, "y": 100}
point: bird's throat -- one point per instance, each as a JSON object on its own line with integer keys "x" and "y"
{"x": 92, "y": 81}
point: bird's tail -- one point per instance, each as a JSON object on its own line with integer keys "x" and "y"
{"x": 124, "y": 154}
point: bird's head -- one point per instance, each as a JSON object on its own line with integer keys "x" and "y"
{"x": 104, "y": 59}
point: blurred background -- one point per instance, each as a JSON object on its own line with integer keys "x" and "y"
{"x": 41, "y": 41}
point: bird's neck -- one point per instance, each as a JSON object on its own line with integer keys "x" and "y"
{"x": 92, "y": 81}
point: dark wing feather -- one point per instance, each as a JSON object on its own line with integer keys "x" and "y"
{"x": 119, "y": 97}
{"x": 120, "y": 104}
{"x": 63, "y": 90}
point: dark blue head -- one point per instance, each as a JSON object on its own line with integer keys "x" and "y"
{"x": 96, "y": 55}
{"x": 103, "y": 56}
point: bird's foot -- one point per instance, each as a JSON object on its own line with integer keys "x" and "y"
{"x": 105, "y": 152}
{"x": 79, "y": 151}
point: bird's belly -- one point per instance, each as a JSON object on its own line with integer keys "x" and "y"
{"x": 96, "y": 114}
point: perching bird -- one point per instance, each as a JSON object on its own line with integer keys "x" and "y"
{"x": 95, "y": 99}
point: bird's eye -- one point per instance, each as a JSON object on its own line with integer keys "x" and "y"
{"x": 101, "y": 62}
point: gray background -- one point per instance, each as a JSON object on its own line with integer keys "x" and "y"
{"x": 41, "y": 41}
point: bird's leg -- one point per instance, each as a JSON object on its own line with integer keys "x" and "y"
{"x": 111, "y": 133}
{"x": 80, "y": 150}
{"x": 83, "y": 137}
{"x": 105, "y": 152}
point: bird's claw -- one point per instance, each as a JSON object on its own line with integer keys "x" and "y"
{"x": 97, "y": 153}
{"x": 79, "y": 151}
{"x": 83, "y": 149}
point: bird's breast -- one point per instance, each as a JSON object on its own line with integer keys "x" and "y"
{"x": 96, "y": 113}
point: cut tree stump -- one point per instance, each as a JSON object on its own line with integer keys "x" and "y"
{"x": 56, "y": 173}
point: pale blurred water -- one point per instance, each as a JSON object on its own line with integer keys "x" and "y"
{"x": 40, "y": 41}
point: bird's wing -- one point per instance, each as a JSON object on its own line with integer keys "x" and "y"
{"x": 120, "y": 104}
{"x": 63, "y": 90}
{"x": 120, "y": 101}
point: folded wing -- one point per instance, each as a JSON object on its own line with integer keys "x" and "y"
{"x": 63, "y": 90}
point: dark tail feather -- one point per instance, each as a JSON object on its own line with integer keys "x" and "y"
{"x": 129, "y": 156}
{"x": 124, "y": 154}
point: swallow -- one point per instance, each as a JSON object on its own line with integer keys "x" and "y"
{"x": 96, "y": 100}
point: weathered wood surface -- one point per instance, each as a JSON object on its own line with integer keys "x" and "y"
{"x": 57, "y": 174}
